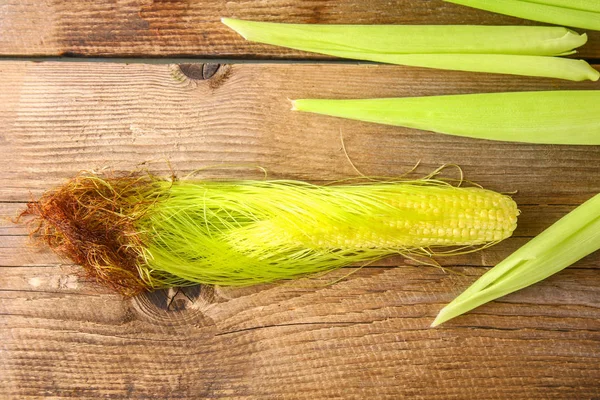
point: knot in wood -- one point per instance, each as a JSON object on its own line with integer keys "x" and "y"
{"x": 199, "y": 71}
{"x": 170, "y": 307}
{"x": 174, "y": 299}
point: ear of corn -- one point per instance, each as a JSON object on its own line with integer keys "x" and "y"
{"x": 571, "y": 238}
{"x": 580, "y": 14}
{"x": 516, "y": 50}
{"x": 552, "y": 117}
{"x": 138, "y": 234}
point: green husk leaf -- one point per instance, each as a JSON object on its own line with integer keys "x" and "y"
{"x": 584, "y": 5}
{"x": 515, "y": 50}
{"x": 541, "y": 66}
{"x": 570, "y": 239}
{"x": 551, "y": 117}
{"x": 360, "y": 41}
{"x": 540, "y": 11}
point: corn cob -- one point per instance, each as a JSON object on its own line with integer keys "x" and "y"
{"x": 141, "y": 233}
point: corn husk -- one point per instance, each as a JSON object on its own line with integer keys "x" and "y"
{"x": 516, "y": 50}
{"x": 551, "y": 117}
{"x": 579, "y": 14}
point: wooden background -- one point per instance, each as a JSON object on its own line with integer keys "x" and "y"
{"x": 366, "y": 336}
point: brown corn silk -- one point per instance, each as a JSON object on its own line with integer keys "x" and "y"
{"x": 88, "y": 221}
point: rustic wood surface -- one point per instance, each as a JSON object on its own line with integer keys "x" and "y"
{"x": 185, "y": 28}
{"x": 354, "y": 333}
{"x": 365, "y": 336}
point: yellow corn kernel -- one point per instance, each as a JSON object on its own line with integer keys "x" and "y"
{"x": 429, "y": 220}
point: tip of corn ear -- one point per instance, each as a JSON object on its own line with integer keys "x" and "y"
{"x": 294, "y": 108}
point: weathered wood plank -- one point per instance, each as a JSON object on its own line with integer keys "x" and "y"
{"x": 8, "y": 218}
{"x": 363, "y": 337}
{"x": 60, "y": 119}
{"x": 182, "y": 28}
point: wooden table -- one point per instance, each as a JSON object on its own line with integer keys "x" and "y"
{"x": 364, "y": 336}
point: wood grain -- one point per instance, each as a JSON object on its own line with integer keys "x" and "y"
{"x": 62, "y": 118}
{"x": 192, "y": 28}
{"x": 365, "y": 336}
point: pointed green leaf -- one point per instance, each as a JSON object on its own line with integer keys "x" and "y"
{"x": 542, "y": 11}
{"x": 585, "y": 5}
{"x": 552, "y": 117}
{"x": 516, "y": 50}
{"x": 411, "y": 39}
